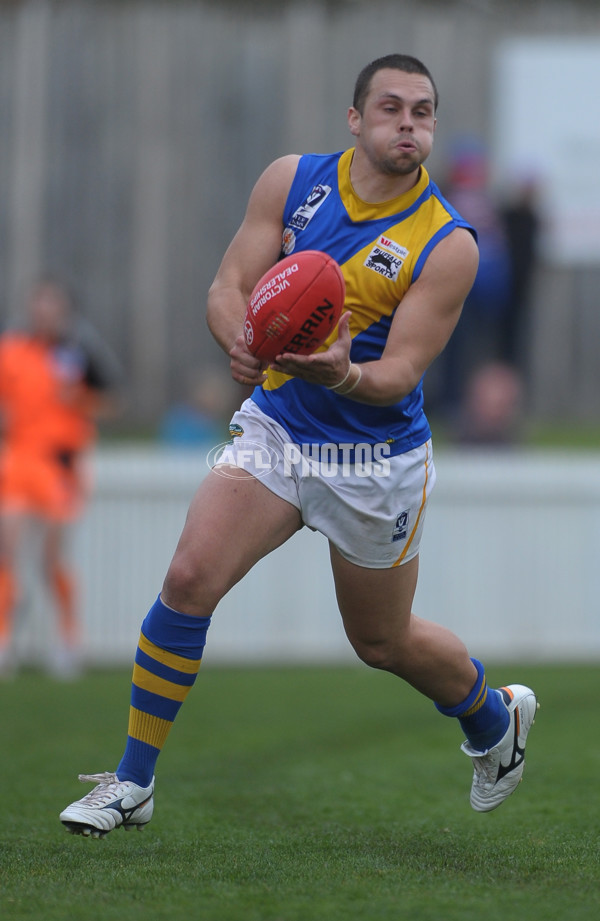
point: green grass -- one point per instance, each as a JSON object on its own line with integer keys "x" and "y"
{"x": 564, "y": 435}
{"x": 300, "y": 794}
{"x": 560, "y": 435}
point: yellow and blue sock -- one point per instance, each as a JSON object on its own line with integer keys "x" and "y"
{"x": 167, "y": 661}
{"x": 483, "y": 715}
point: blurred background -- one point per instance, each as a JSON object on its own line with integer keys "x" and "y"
{"x": 131, "y": 133}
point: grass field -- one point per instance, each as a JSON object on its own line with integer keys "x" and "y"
{"x": 300, "y": 794}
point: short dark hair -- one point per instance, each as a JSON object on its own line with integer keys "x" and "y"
{"x": 403, "y": 62}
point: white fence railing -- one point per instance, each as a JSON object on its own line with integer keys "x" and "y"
{"x": 509, "y": 561}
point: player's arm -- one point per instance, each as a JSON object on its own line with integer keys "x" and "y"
{"x": 424, "y": 321}
{"x": 422, "y": 325}
{"x": 254, "y": 249}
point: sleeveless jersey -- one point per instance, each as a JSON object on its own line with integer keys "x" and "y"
{"x": 381, "y": 249}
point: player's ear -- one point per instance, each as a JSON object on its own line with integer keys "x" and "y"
{"x": 354, "y": 119}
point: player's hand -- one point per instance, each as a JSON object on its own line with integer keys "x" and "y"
{"x": 326, "y": 368}
{"x": 245, "y": 368}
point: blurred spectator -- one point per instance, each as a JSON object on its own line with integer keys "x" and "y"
{"x": 491, "y": 410}
{"x": 476, "y": 339}
{"x": 202, "y": 418}
{"x": 56, "y": 378}
{"x": 522, "y": 223}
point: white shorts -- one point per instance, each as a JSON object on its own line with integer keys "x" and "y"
{"x": 371, "y": 508}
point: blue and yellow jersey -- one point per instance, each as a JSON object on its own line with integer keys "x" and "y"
{"x": 381, "y": 249}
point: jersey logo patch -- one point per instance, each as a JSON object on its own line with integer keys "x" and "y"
{"x": 288, "y": 241}
{"x": 307, "y": 210}
{"x": 386, "y": 258}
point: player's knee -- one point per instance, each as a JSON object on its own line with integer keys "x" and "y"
{"x": 190, "y": 587}
{"x": 378, "y": 655}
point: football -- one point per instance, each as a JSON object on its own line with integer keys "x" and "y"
{"x": 295, "y": 306}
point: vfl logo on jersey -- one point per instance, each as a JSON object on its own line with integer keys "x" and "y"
{"x": 401, "y": 527}
{"x": 305, "y": 213}
{"x": 386, "y": 258}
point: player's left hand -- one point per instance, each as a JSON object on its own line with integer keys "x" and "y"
{"x": 326, "y": 368}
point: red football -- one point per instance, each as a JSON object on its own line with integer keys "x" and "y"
{"x": 295, "y": 306}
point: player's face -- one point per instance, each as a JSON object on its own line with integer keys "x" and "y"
{"x": 396, "y": 127}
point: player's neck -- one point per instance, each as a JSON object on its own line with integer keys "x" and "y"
{"x": 374, "y": 186}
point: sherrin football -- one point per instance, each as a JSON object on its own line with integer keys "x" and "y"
{"x": 295, "y": 306}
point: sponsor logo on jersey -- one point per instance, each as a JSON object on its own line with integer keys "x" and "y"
{"x": 394, "y": 247}
{"x": 401, "y": 527}
{"x": 386, "y": 258}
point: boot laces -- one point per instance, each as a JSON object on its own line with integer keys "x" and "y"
{"x": 485, "y": 768}
{"x": 104, "y": 792}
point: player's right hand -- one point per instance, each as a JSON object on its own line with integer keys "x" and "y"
{"x": 246, "y": 368}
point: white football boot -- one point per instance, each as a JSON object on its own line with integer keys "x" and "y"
{"x": 111, "y": 803}
{"x": 498, "y": 771}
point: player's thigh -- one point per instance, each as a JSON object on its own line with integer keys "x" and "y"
{"x": 375, "y": 604}
{"x": 233, "y": 521}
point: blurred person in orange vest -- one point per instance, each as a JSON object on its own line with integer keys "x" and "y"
{"x": 56, "y": 379}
